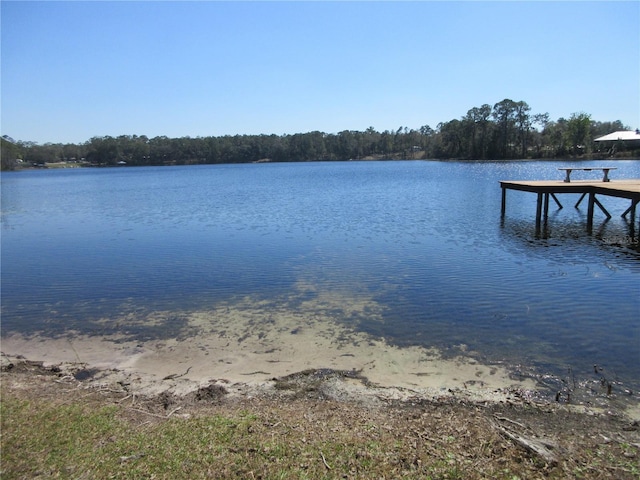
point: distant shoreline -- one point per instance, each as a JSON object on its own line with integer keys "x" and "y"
{"x": 376, "y": 158}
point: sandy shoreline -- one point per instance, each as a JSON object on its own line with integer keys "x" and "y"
{"x": 248, "y": 344}
{"x": 184, "y": 365}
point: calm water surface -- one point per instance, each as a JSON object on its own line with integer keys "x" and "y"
{"x": 423, "y": 239}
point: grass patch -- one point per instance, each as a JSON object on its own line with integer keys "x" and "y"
{"x": 74, "y": 441}
{"x": 59, "y": 432}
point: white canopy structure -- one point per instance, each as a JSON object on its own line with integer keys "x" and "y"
{"x": 624, "y": 135}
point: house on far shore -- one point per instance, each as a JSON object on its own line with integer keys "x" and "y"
{"x": 620, "y": 140}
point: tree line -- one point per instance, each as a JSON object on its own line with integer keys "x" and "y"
{"x": 507, "y": 130}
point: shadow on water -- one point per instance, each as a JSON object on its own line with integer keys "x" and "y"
{"x": 615, "y": 230}
{"x": 570, "y": 236}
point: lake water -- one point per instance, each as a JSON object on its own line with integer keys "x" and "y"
{"x": 88, "y": 250}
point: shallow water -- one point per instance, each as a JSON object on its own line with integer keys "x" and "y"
{"x": 420, "y": 244}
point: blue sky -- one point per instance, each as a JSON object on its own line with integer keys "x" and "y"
{"x": 74, "y": 70}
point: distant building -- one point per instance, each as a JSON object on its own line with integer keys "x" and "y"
{"x": 621, "y": 135}
{"x": 620, "y": 140}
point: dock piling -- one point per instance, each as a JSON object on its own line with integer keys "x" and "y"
{"x": 592, "y": 197}
{"x": 538, "y": 212}
{"x": 631, "y": 210}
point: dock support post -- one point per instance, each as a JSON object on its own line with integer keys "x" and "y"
{"x": 557, "y": 201}
{"x": 631, "y": 210}
{"x": 538, "y": 213}
{"x": 581, "y": 197}
{"x": 592, "y": 197}
{"x": 604, "y": 210}
{"x": 546, "y": 207}
{"x": 592, "y": 202}
{"x": 504, "y": 201}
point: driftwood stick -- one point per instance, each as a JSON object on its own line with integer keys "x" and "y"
{"x": 155, "y": 414}
{"x": 132, "y": 457}
{"x": 173, "y": 411}
{"x": 324, "y": 460}
{"x": 505, "y": 419}
{"x": 530, "y": 444}
{"x": 175, "y": 375}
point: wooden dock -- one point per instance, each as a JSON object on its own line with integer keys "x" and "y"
{"x": 546, "y": 189}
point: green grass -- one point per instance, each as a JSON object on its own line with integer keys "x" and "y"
{"x": 73, "y": 441}
{"x": 40, "y": 439}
